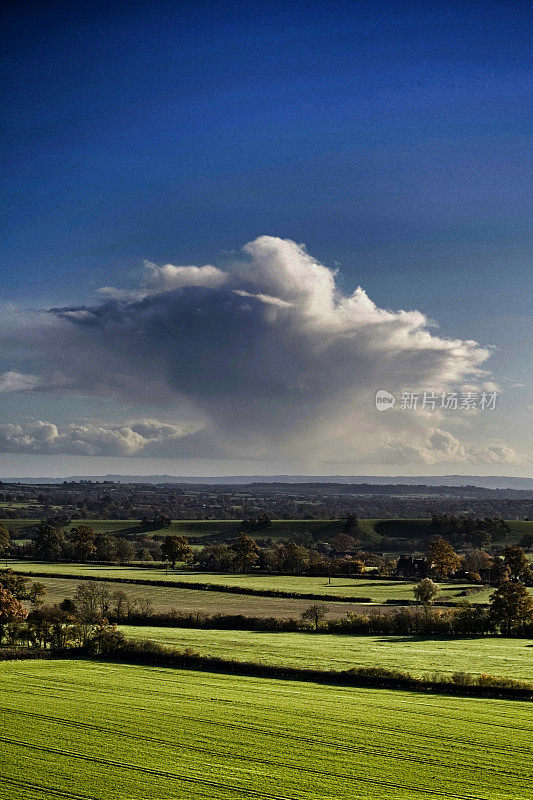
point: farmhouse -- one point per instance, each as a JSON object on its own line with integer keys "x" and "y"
{"x": 412, "y": 567}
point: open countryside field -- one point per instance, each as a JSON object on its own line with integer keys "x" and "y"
{"x": 379, "y": 591}
{"x": 105, "y": 731}
{"x": 511, "y": 658}
{"x": 189, "y": 601}
{"x": 19, "y": 527}
{"x": 373, "y": 529}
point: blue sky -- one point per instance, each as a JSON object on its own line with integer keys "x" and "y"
{"x": 392, "y": 139}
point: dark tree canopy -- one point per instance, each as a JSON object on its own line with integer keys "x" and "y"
{"x": 517, "y": 562}
{"x": 511, "y": 607}
{"x": 83, "y": 544}
{"x": 176, "y": 548}
{"x": 48, "y": 542}
{"x": 4, "y": 538}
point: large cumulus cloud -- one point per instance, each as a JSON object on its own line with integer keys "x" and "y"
{"x": 143, "y": 437}
{"x": 267, "y": 356}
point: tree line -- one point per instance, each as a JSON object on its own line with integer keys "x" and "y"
{"x": 340, "y": 557}
{"x": 87, "y": 619}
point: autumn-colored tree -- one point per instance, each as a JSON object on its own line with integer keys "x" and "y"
{"x": 21, "y": 588}
{"x": 246, "y": 552}
{"x": 176, "y": 548}
{"x": 16, "y": 584}
{"x": 11, "y": 610}
{"x": 443, "y": 557}
{"x": 511, "y": 607}
{"x": 355, "y": 566}
{"x": 347, "y": 566}
{"x": 317, "y": 562}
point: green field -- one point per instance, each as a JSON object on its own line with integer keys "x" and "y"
{"x": 378, "y": 590}
{"x": 511, "y": 658}
{"x": 373, "y": 529}
{"x": 19, "y": 526}
{"x": 189, "y": 601}
{"x": 93, "y": 732}
{"x": 18, "y": 505}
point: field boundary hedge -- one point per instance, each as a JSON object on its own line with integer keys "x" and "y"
{"x": 25, "y": 654}
{"x": 245, "y": 590}
{"x": 205, "y": 621}
{"x": 202, "y": 587}
{"x": 151, "y": 654}
{"x": 368, "y": 677}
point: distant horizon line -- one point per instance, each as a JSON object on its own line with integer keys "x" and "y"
{"x": 496, "y": 481}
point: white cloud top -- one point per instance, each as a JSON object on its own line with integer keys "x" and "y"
{"x": 268, "y": 355}
{"x": 144, "y": 437}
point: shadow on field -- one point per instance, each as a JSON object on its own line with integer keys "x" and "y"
{"x": 414, "y": 638}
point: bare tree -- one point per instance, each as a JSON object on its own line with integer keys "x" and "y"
{"x": 315, "y": 613}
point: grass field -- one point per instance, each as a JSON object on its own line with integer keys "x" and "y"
{"x": 373, "y": 529}
{"x": 19, "y": 526}
{"x": 378, "y": 590}
{"x": 163, "y": 599}
{"x": 91, "y": 731}
{"x": 511, "y": 658}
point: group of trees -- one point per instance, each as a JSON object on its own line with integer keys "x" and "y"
{"x": 105, "y": 500}
{"x": 469, "y": 531}
{"x": 340, "y": 556}
{"x": 81, "y": 543}
{"x": 510, "y": 610}
{"x": 510, "y": 564}
{"x": 288, "y": 558}
{"x": 176, "y": 548}
{"x": 511, "y": 607}
{"x": 80, "y": 622}
{"x": 83, "y": 620}
{"x": 442, "y": 557}
{"x": 253, "y": 524}
{"x": 240, "y": 556}
{"x": 510, "y": 613}
{"x": 156, "y": 522}
{"x": 4, "y": 539}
